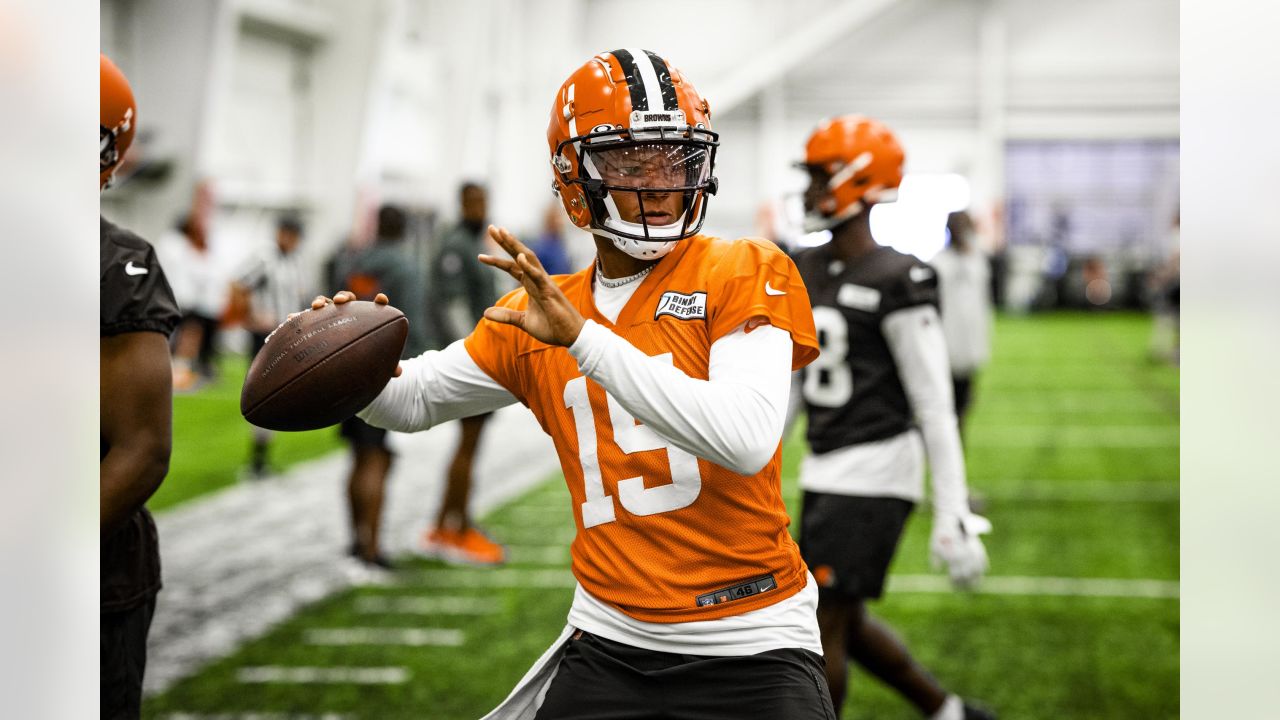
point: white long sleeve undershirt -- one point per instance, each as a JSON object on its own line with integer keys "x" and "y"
{"x": 733, "y": 419}
{"x": 919, "y": 349}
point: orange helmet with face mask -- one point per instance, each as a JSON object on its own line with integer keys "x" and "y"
{"x": 629, "y": 122}
{"x": 116, "y": 120}
{"x": 860, "y": 161}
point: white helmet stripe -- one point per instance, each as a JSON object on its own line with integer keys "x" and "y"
{"x": 652, "y": 89}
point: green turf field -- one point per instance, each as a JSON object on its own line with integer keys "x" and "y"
{"x": 1073, "y": 445}
{"x": 211, "y": 440}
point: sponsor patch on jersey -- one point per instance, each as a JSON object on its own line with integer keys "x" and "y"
{"x": 692, "y": 306}
{"x": 741, "y": 591}
{"x": 859, "y": 297}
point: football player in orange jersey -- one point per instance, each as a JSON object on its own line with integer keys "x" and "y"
{"x": 662, "y": 374}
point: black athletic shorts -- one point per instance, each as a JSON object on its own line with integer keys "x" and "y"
{"x": 599, "y": 678}
{"x": 361, "y": 434}
{"x": 122, "y": 660}
{"x": 848, "y": 542}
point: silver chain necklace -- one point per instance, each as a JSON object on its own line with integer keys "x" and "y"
{"x": 612, "y": 283}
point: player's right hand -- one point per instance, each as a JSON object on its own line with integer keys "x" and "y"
{"x": 956, "y": 544}
{"x": 549, "y": 317}
{"x": 346, "y": 296}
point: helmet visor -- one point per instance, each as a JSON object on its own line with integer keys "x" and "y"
{"x": 653, "y": 166}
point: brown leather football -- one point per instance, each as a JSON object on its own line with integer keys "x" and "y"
{"x": 323, "y": 366}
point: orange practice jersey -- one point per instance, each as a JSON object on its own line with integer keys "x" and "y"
{"x": 662, "y": 535}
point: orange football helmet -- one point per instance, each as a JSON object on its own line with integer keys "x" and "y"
{"x": 860, "y": 162}
{"x": 627, "y": 128}
{"x": 116, "y": 121}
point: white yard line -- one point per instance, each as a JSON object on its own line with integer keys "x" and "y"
{"x": 323, "y": 675}
{"x": 496, "y": 578}
{"x": 1100, "y": 491}
{"x": 252, "y": 716}
{"x": 1074, "y": 436}
{"x": 245, "y": 559}
{"x": 425, "y": 605}
{"x": 538, "y": 554}
{"x": 408, "y": 637}
{"x": 1044, "y": 586}
{"x": 991, "y": 585}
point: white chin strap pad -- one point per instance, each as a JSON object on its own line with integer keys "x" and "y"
{"x": 643, "y": 249}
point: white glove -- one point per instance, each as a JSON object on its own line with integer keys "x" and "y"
{"x": 956, "y": 544}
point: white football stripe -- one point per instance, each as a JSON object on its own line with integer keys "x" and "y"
{"x": 425, "y": 605}
{"x": 323, "y": 675}
{"x": 410, "y": 637}
{"x": 1052, "y": 586}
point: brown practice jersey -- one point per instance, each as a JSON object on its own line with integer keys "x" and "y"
{"x": 662, "y": 535}
{"x": 852, "y": 392}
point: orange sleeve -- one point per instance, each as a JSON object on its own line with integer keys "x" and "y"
{"x": 756, "y": 279}
{"x": 495, "y": 347}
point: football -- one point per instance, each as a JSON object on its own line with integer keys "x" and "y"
{"x": 322, "y": 366}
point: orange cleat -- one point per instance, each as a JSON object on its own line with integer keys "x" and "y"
{"x": 470, "y": 547}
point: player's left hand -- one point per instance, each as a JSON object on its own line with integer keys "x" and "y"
{"x": 550, "y": 317}
{"x": 956, "y": 544}
{"x": 339, "y": 298}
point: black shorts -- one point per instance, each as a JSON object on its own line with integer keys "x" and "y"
{"x": 361, "y": 434}
{"x": 599, "y": 678}
{"x": 848, "y": 542}
{"x": 122, "y": 660}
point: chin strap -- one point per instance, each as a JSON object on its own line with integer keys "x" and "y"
{"x": 817, "y": 223}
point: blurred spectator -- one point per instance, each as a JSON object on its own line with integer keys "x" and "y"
{"x": 1097, "y": 285}
{"x": 964, "y": 289}
{"x": 201, "y": 294}
{"x": 265, "y": 290}
{"x": 550, "y": 245}
{"x": 1164, "y": 284}
{"x": 383, "y": 267}
{"x": 461, "y": 290}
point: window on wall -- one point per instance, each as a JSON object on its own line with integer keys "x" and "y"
{"x": 263, "y": 138}
{"x": 1092, "y": 197}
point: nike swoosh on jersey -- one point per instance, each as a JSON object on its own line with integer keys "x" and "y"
{"x": 768, "y": 290}
{"x": 131, "y": 269}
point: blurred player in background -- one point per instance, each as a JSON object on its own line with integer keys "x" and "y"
{"x": 662, "y": 375}
{"x": 264, "y": 292}
{"x": 137, "y": 315}
{"x": 461, "y": 290}
{"x": 200, "y": 289}
{"x": 879, "y": 402}
{"x": 550, "y": 246}
{"x": 964, "y": 291}
{"x": 384, "y": 267}
{"x": 1165, "y": 290}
